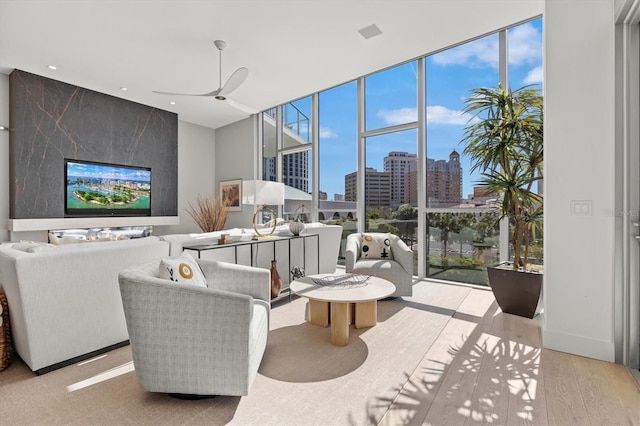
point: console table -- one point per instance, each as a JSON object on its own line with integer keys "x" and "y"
{"x": 253, "y": 246}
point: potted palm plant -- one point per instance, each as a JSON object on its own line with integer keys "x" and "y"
{"x": 505, "y": 144}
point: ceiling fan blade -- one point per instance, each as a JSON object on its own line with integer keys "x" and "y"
{"x": 234, "y": 81}
{"x": 213, "y": 93}
{"x": 242, "y": 107}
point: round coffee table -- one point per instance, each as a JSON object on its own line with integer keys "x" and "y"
{"x": 331, "y": 296}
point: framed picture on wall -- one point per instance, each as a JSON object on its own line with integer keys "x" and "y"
{"x": 231, "y": 194}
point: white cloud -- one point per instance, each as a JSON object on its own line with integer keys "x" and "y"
{"x": 481, "y": 52}
{"x": 534, "y": 76}
{"x": 524, "y": 45}
{"x": 327, "y": 133}
{"x": 436, "y": 114}
{"x": 398, "y": 116}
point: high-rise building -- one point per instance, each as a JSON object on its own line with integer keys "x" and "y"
{"x": 411, "y": 188}
{"x": 399, "y": 164}
{"x": 444, "y": 182}
{"x": 295, "y": 170}
{"x": 377, "y": 187}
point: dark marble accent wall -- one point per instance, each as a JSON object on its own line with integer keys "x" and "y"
{"x": 52, "y": 121}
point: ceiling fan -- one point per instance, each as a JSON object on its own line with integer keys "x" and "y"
{"x": 236, "y": 79}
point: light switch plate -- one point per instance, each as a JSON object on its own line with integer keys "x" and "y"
{"x": 581, "y": 207}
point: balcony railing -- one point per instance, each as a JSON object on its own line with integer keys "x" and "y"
{"x": 293, "y": 119}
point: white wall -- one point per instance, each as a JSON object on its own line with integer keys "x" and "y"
{"x": 579, "y": 165}
{"x": 236, "y": 158}
{"x": 4, "y": 157}
{"x": 196, "y": 173}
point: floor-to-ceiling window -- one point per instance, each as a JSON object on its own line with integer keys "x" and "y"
{"x": 390, "y": 147}
{"x": 524, "y": 68}
{"x": 287, "y": 142}
{"x": 462, "y": 233}
{"x": 269, "y": 145}
{"x": 297, "y": 138}
{"x": 337, "y": 151}
{"x": 404, "y": 176}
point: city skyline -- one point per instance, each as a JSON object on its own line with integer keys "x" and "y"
{"x": 397, "y": 184}
{"x": 390, "y": 101}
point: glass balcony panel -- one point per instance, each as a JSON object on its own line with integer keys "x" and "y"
{"x": 296, "y": 122}
{"x": 461, "y": 244}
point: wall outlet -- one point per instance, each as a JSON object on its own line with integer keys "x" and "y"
{"x": 581, "y": 207}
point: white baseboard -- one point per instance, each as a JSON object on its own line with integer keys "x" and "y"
{"x": 579, "y": 345}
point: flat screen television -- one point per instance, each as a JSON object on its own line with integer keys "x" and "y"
{"x": 101, "y": 189}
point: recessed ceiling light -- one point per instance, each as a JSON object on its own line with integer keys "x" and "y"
{"x": 124, "y": 89}
{"x": 53, "y": 67}
{"x": 172, "y": 103}
{"x": 370, "y": 31}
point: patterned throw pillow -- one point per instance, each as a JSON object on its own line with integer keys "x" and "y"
{"x": 182, "y": 269}
{"x": 376, "y": 246}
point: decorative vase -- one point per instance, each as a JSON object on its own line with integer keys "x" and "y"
{"x": 296, "y": 227}
{"x": 276, "y": 281}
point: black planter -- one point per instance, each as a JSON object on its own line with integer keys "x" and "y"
{"x": 516, "y": 292}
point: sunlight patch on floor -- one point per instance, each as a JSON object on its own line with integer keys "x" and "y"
{"x": 91, "y": 360}
{"x": 109, "y": 374}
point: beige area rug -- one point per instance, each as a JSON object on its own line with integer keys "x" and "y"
{"x": 303, "y": 379}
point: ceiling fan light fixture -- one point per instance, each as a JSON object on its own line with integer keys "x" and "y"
{"x": 220, "y": 94}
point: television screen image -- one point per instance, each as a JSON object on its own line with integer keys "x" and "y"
{"x": 100, "y": 189}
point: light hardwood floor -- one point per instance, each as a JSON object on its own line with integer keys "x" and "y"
{"x": 446, "y": 356}
{"x": 487, "y": 367}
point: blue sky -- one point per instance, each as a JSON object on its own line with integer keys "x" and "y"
{"x": 107, "y": 172}
{"x": 391, "y": 100}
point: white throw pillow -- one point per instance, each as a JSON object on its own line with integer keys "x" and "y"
{"x": 182, "y": 269}
{"x": 376, "y": 246}
{"x": 32, "y": 246}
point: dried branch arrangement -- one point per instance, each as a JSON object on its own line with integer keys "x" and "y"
{"x": 210, "y": 213}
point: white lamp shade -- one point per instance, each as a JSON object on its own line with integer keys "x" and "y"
{"x": 259, "y": 192}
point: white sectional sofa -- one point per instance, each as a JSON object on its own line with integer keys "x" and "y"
{"x": 64, "y": 301}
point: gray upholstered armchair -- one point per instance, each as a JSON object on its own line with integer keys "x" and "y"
{"x": 396, "y": 266}
{"x": 194, "y": 340}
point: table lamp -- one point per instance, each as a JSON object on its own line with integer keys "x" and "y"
{"x": 263, "y": 194}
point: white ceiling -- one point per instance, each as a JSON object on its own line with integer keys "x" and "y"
{"x": 292, "y": 48}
